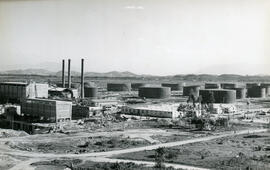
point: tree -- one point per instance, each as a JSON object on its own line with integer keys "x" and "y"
{"x": 160, "y": 157}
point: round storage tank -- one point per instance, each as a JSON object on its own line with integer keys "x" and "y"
{"x": 188, "y": 90}
{"x": 228, "y": 85}
{"x": 250, "y": 85}
{"x": 174, "y": 86}
{"x": 267, "y": 88}
{"x": 212, "y": 86}
{"x": 240, "y": 93}
{"x": 155, "y": 92}
{"x": 90, "y": 92}
{"x": 218, "y": 96}
{"x": 118, "y": 86}
{"x": 136, "y": 86}
{"x": 256, "y": 92}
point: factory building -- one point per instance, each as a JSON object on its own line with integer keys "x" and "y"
{"x": 212, "y": 86}
{"x": 15, "y": 92}
{"x": 174, "y": 86}
{"x": 155, "y": 92}
{"x": 44, "y": 110}
{"x": 118, "y": 86}
{"x": 136, "y": 86}
{"x": 256, "y": 92}
{"x": 218, "y": 96}
{"x": 228, "y": 85}
{"x": 82, "y": 112}
{"x": 191, "y": 90}
{"x": 150, "y": 112}
{"x": 267, "y": 88}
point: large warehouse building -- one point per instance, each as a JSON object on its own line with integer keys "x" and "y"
{"x": 44, "y": 110}
{"x": 15, "y": 92}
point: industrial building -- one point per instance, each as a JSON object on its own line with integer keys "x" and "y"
{"x": 15, "y": 92}
{"x": 191, "y": 90}
{"x": 212, "y": 86}
{"x": 150, "y": 111}
{"x": 82, "y": 112}
{"x": 118, "y": 86}
{"x": 154, "y": 92}
{"x": 220, "y": 95}
{"x": 44, "y": 110}
{"x": 136, "y": 86}
{"x": 256, "y": 92}
{"x": 228, "y": 85}
{"x": 174, "y": 86}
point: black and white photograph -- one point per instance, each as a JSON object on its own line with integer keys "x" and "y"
{"x": 134, "y": 84}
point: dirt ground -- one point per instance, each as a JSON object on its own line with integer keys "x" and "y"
{"x": 78, "y": 145}
{"x": 226, "y": 153}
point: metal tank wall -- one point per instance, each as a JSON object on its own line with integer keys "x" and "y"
{"x": 90, "y": 92}
{"x": 155, "y": 92}
{"x": 228, "y": 85}
{"x": 136, "y": 86}
{"x": 212, "y": 86}
{"x": 241, "y": 93}
{"x": 174, "y": 86}
{"x": 220, "y": 95}
{"x": 118, "y": 86}
{"x": 250, "y": 85}
{"x": 256, "y": 92}
{"x": 187, "y": 90}
{"x": 267, "y": 88}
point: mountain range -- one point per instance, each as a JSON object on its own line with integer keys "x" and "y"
{"x": 44, "y": 72}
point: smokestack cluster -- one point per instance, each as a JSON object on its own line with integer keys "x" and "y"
{"x": 63, "y": 73}
{"x": 69, "y": 75}
{"x": 82, "y": 79}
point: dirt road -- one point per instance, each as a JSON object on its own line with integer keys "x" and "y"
{"x": 102, "y": 156}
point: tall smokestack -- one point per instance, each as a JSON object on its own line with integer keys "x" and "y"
{"x": 69, "y": 75}
{"x": 63, "y": 73}
{"x": 82, "y": 79}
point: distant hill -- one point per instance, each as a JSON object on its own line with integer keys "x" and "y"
{"x": 29, "y": 72}
{"x": 127, "y": 74}
{"x": 73, "y": 73}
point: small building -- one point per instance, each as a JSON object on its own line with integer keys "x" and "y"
{"x": 45, "y": 110}
{"x": 15, "y": 92}
{"x": 103, "y": 102}
{"x": 82, "y": 112}
{"x": 151, "y": 112}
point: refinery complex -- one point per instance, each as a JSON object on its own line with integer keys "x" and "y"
{"x": 112, "y": 120}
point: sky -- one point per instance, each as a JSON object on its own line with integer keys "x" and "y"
{"x": 159, "y": 37}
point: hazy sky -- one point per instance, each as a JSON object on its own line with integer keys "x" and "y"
{"x": 143, "y": 36}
